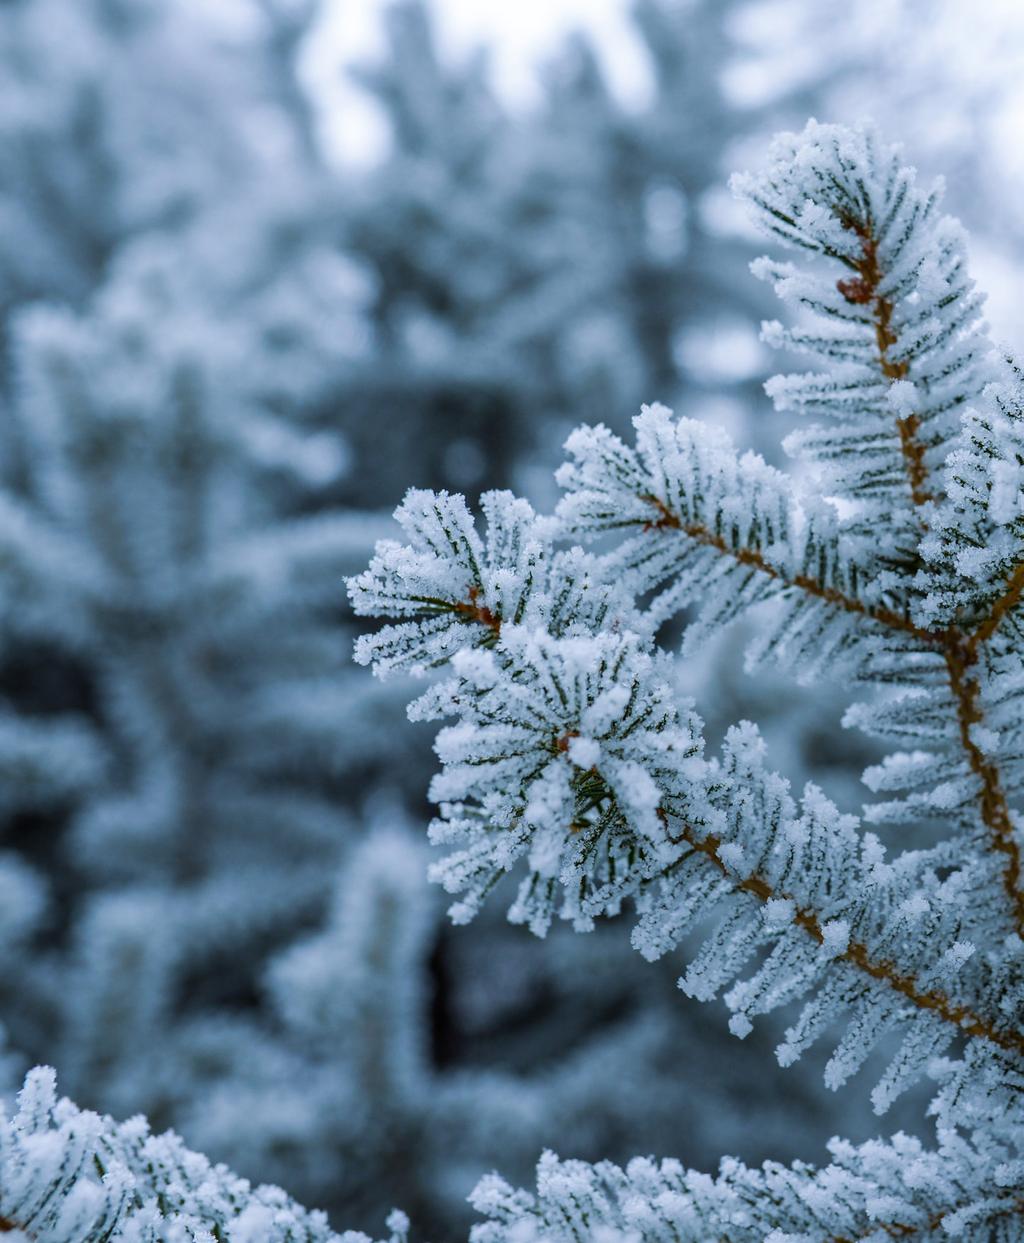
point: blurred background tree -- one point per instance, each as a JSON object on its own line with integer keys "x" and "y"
{"x": 225, "y": 355}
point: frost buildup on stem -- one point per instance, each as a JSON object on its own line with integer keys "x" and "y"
{"x": 893, "y": 316}
{"x": 898, "y": 568}
{"x": 925, "y": 454}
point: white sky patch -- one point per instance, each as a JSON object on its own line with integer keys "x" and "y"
{"x": 997, "y": 272}
{"x": 523, "y": 34}
{"x": 520, "y": 37}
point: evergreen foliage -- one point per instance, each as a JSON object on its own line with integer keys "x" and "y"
{"x": 74, "y": 1177}
{"x": 209, "y": 909}
{"x": 570, "y": 755}
{"x": 181, "y": 809}
{"x": 97, "y": 145}
{"x": 209, "y": 632}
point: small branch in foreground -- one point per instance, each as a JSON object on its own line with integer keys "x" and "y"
{"x": 667, "y": 520}
{"x": 962, "y": 1017}
{"x": 960, "y": 654}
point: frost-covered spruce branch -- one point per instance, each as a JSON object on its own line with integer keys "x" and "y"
{"x": 905, "y": 356}
{"x": 905, "y": 353}
{"x": 70, "y": 1176}
{"x": 569, "y": 751}
{"x": 876, "y": 1191}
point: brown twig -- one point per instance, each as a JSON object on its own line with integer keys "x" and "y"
{"x": 967, "y": 1022}
{"x": 961, "y": 653}
{"x": 474, "y": 611}
{"x": 667, "y": 520}
{"x": 1006, "y": 603}
{"x": 863, "y": 290}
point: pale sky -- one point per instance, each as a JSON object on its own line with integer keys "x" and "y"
{"x": 975, "y": 37}
{"x": 519, "y": 35}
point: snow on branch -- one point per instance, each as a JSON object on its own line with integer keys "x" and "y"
{"x": 70, "y": 1176}
{"x": 894, "y": 315}
{"x": 449, "y": 588}
{"x": 569, "y": 757}
{"x": 923, "y": 451}
{"x": 569, "y": 754}
{"x": 720, "y": 533}
{"x": 875, "y": 1192}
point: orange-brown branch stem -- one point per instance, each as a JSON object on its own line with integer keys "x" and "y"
{"x": 962, "y": 1017}
{"x": 755, "y": 559}
{"x": 961, "y": 655}
{"x": 863, "y": 289}
{"x": 475, "y": 611}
